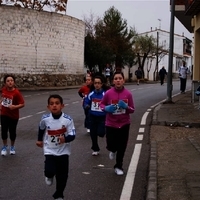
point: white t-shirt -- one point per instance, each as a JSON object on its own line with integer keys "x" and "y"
{"x": 107, "y": 71}
{"x": 183, "y": 71}
{"x": 53, "y": 129}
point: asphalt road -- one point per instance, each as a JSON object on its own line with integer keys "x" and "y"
{"x": 90, "y": 178}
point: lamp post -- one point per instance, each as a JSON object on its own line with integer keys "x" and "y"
{"x": 171, "y": 52}
{"x": 157, "y": 45}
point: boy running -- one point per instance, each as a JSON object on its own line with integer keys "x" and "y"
{"x": 56, "y": 131}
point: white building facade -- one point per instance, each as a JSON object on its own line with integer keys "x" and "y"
{"x": 182, "y": 51}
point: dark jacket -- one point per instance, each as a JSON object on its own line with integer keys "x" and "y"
{"x": 162, "y": 72}
{"x": 138, "y": 73}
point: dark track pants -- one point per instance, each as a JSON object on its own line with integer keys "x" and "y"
{"x": 183, "y": 84}
{"x": 117, "y": 139}
{"x": 8, "y": 125}
{"x": 57, "y": 166}
{"x": 97, "y": 128}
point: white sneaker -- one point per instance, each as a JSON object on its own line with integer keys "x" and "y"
{"x": 95, "y": 153}
{"x": 119, "y": 172}
{"x": 12, "y": 150}
{"x": 112, "y": 155}
{"x": 4, "y": 151}
{"x": 49, "y": 181}
{"x": 88, "y": 130}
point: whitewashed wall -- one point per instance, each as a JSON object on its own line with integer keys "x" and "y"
{"x": 40, "y": 43}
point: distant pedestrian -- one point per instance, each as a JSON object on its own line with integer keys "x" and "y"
{"x": 118, "y": 105}
{"x": 107, "y": 73}
{"x": 162, "y": 74}
{"x": 138, "y": 74}
{"x": 56, "y": 131}
{"x": 183, "y": 71}
{"x": 83, "y": 92}
{"x": 11, "y": 101}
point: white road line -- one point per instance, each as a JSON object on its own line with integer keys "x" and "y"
{"x": 141, "y": 130}
{"x": 25, "y": 117}
{"x": 164, "y": 100}
{"x": 144, "y": 117}
{"x": 130, "y": 176}
{"x": 40, "y": 112}
{"x": 66, "y": 104}
{"x": 133, "y": 89}
{"x": 140, "y": 137}
{"x": 75, "y": 102}
{"x": 27, "y": 95}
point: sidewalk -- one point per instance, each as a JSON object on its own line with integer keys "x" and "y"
{"x": 174, "y": 171}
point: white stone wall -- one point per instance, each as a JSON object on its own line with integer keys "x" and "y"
{"x": 35, "y": 43}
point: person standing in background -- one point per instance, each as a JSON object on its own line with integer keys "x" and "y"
{"x": 107, "y": 73}
{"x": 138, "y": 74}
{"x": 11, "y": 101}
{"x": 183, "y": 71}
{"x": 162, "y": 74}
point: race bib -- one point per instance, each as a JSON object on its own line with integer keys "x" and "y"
{"x": 95, "y": 105}
{"x": 53, "y": 137}
{"x": 6, "y": 101}
{"x": 119, "y": 110}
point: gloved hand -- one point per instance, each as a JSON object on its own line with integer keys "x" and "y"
{"x": 87, "y": 107}
{"x": 111, "y": 108}
{"x": 122, "y": 104}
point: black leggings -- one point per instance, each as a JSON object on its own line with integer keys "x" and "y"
{"x": 183, "y": 84}
{"x": 117, "y": 139}
{"x": 57, "y": 166}
{"x": 8, "y": 125}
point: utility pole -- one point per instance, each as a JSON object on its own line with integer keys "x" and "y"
{"x": 159, "y": 23}
{"x": 157, "y": 45}
{"x": 171, "y": 53}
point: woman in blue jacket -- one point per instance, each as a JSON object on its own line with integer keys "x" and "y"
{"x": 97, "y": 116}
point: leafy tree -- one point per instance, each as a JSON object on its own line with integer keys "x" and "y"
{"x": 55, "y": 5}
{"x": 112, "y": 32}
{"x": 147, "y": 48}
{"x": 144, "y": 45}
{"x": 96, "y": 53}
{"x": 130, "y": 61}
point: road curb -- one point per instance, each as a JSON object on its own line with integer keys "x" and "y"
{"x": 152, "y": 176}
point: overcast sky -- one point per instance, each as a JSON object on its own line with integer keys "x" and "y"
{"x": 141, "y": 14}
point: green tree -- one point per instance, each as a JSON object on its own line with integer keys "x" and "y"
{"x": 130, "y": 61}
{"x": 113, "y": 34}
{"x": 96, "y": 53}
{"x": 143, "y": 47}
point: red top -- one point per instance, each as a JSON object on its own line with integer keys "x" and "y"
{"x": 84, "y": 90}
{"x": 13, "y": 97}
